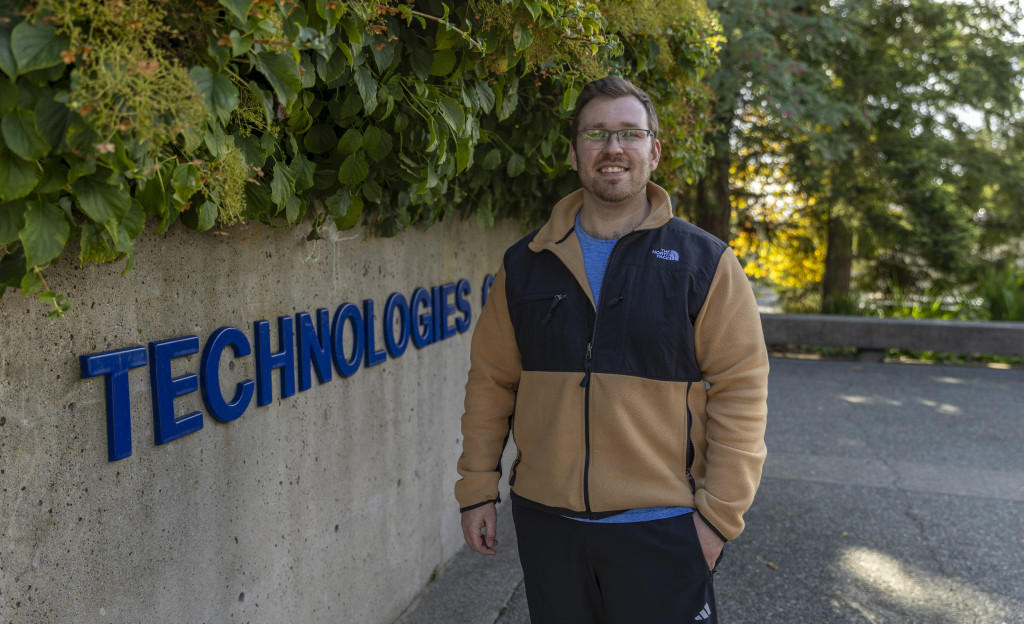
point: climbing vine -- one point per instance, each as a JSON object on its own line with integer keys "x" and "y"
{"x": 323, "y": 113}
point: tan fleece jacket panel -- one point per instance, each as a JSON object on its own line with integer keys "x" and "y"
{"x": 639, "y": 460}
{"x": 733, "y": 360}
{"x": 490, "y": 398}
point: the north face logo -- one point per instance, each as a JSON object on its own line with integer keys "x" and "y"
{"x": 666, "y": 254}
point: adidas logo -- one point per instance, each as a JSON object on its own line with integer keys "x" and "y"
{"x": 666, "y": 254}
{"x": 705, "y": 613}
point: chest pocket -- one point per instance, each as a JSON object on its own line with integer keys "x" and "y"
{"x": 646, "y": 328}
{"x": 550, "y": 329}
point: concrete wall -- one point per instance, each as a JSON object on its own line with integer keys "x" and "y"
{"x": 332, "y": 505}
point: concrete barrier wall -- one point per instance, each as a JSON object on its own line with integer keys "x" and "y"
{"x": 331, "y": 505}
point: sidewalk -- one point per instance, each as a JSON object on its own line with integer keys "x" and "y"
{"x": 892, "y": 493}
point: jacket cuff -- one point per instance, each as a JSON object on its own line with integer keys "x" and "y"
{"x": 467, "y": 508}
{"x": 711, "y": 526}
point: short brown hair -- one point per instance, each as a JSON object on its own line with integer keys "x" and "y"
{"x": 613, "y": 87}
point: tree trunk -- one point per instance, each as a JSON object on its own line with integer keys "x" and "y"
{"x": 713, "y": 209}
{"x": 835, "y": 286}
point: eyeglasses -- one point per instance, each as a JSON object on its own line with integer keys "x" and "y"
{"x": 628, "y": 137}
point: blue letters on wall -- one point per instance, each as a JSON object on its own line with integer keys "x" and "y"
{"x": 428, "y": 316}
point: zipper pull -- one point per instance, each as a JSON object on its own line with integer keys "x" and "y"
{"x": 551, "y": 310}
{"x": 586, "y": 366}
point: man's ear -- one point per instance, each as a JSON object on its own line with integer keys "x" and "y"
{"x": 572, "y": 157}
{"x": 655, "y": 154}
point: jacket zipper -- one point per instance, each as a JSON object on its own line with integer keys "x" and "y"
{"x": 554, "y": 304}
{"x": 585, "y": 384}
{"x": 689, "y": 440}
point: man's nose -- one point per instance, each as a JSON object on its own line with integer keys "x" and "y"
{"x": 612, "y": 144}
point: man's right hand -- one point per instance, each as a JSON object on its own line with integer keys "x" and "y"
{"x": 479, "y": 527}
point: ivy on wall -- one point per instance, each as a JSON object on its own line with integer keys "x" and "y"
{"x": 319, "y": 112}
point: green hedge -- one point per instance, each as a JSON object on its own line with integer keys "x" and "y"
{"x": 318, "y": 112}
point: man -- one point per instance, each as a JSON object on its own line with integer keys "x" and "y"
{"x": 622, "y": 348}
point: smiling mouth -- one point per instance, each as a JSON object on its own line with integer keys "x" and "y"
{"x": 611, "y": 169}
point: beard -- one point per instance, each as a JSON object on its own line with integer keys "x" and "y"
{"x": 616, "y": 190}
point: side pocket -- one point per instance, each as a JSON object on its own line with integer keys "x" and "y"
{"x": 512, "y": 471}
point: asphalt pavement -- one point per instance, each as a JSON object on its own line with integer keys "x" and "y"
{"x": 892, "y": 493}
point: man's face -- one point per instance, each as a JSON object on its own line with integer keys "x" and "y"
{"x": 609, "y": 172}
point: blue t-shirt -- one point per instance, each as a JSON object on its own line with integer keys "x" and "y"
{"x": 595, "y": 260}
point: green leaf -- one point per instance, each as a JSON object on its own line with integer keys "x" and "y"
{"x": 294, "y": 209}
{"x": 55, "y": 176}
{"x": 372, "y": 191}
{"x": 207, "y": 213}
{"x": 217, "y": 91}
{"x": 17, "y": 176}
{"x": 569, "y": 97}
{"x": 320, "y": 139}
{"x": 12, "y": 219}
{"x": 8, "y": 95}
{"x": 421, "y": 60}
{"x": 282, "y": 71}
{"x": 299, "y": 121}
{"x": 377, "y": 143}
{"x": 37, "y": 46}
{"x": 332, "y": 67}
{"x": 383, "y": 53}
{"x": 332, "y": 15}
{"x": 352, "y": 215}
{"x": 352, "y": 30}
{"x": 492, "y": 160}
{"x": 351, "y": 141}
{"x": 218, "y": 141}
{"x": 510, "y": 100}
{"x": 152, "y": 196}
{"x": 44, "y": 235}
{"x": 52, "y": 119}
{"x": 452, "y": 113}
{"x": 22, "y": 136}
{"x": 485, "y": 94}
{"x": 282, "y": 187}
{"x": 442, "y": 63}
{"x": 257, "y": 200}
{"x": 367, "y": 86}
{"x": 516, "y": 165}
{"x": 101, "y": 201}
{"x": 240, "y": 44}
{"x": 484, "y": 212}
{"x": 307, "y": 72}
{"x": 7, "y": 63}
{"x": 353, "y": 170}
{"x": 185, "y": 182}
{"x": 97, "y": 246}
{"x": 462, "y": 155}
{"x": 132, "y": 225}
{"x": 533, "y": 7}
{"x": 12, "y": 266}
{"x": 445, "y": 39}
{"x": 338, "y": 206}
{"x": 303, "y": 169}
{"x": 239, "y": 8}
{"x": 30, "y": 283}
{"x": 521, "y": 36}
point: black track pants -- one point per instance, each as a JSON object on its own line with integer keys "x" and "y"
{"x": 598, "y": 573}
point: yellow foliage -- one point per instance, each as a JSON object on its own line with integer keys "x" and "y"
{"x": 781, "y": 243}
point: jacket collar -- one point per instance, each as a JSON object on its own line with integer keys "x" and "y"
{"x": 563, "y": 217}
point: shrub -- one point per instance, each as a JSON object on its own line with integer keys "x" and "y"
{"x": 330, "y": 113}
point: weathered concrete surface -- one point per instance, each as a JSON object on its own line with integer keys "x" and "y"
{"x": 333, "y": 505}
{"x": 892, "y": 494}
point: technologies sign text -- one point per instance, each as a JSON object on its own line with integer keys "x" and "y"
{"x": 305, "y": 344}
